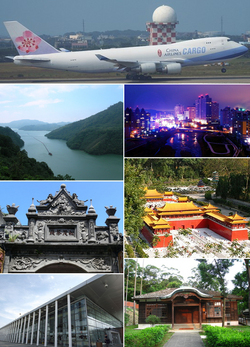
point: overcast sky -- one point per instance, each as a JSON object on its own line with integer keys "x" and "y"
{"x": 185, "y": 267}
{"x": 56, "y": 17}
{"x": 22, "y": 293}
{"x": 166, "y": 97}
{"x": 56, "y": 103}
{"x": 102, "y": 194}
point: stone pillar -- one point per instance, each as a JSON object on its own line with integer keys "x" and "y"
{"x": 17, "y": 332}
{"x": 24, "y": 326}
{"x": 38, "y": 327}
{"x": 20, "y": 331}
{"x": 46, "y": 325}
{"x": 27, "y": 334}
{"x": 69, "y": 321}
{"x": 32, "y": 330}
{"x": 56, "y": 322}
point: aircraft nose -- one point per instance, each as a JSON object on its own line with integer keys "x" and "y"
{"x": 243, "y": 49}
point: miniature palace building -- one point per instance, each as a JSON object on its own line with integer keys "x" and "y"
{"x": 61, "y": 236}
{"x": 79, "y": 317}
{"x": 179, "y": 213}
{"x": 186, "y": 305}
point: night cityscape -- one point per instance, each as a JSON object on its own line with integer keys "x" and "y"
{"x": 180, "y": 121}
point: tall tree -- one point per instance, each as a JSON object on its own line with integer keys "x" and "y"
{"x": 135, "y": 182}
{"x": 213, "y": 277}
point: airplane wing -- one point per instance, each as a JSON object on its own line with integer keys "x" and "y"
{"x": 133, "y": 64}
{"x": 121, "y": 64}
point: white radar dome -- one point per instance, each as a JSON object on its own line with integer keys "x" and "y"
{"x": 164, "y": 14}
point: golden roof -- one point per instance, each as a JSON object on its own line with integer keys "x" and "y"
{"x": 156, "y": 223}
{"x": 152, "y": 193}
{"x": 176, "y": 207}
{"x": 183, "y": 198}
{"x": 235, "y": 219}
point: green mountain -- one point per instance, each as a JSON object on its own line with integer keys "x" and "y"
{"x": 99, "y": 134}
{"x": 43, "y": 127}
{"x": 15, "y": 137}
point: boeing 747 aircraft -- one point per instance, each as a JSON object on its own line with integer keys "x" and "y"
{"x": 137, "y": 62}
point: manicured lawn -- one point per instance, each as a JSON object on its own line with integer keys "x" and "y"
{"x": 240, "y": 327}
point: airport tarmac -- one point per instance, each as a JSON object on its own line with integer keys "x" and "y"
{"x": 220, "y": 79}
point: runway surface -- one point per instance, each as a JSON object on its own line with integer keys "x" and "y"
{"x": 220, "y": 79}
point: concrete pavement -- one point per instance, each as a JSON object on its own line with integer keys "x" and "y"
{"x": 185, "y": 339}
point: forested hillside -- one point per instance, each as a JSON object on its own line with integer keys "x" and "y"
{"x": 16, "y": 138}
{"x": 16, "y": 165}
{"x": 162, "y": 174}
{"x": 99, "y": 134}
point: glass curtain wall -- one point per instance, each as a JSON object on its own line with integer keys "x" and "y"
{"x": 79, "y": 324}
{"x": 63, "y": 327}
{"x": 98, "y": 321}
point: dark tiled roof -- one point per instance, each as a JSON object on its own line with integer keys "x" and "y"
{"x": 169, "y": 291}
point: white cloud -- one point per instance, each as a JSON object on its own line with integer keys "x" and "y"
{"x": 41, "y": 103}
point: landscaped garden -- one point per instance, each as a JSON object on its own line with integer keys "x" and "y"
{"x": 156, "y": 336}
{"x": 238, "y": 336}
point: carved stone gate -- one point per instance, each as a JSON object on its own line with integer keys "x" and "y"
{"x": 61, "y": 236}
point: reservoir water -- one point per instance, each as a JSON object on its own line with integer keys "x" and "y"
{"x": 78, "y": 164}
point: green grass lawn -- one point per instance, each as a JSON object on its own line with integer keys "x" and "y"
{"x": 240, "y": 328}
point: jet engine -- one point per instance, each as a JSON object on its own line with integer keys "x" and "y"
{"x": 171, "y": 68}
{"x": 146, "y": 68}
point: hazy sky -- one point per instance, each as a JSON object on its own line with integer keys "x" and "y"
{"x": 102, "y": 194}
{"x": 56, "y": 103}
{"x": 22, "y": 293}
{"x": 185, "y": 267}
{"x": 56, "y": 17}
{"x": 165, "y": 97}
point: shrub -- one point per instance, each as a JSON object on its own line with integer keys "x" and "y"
{"x": 226, "y": 337}
{"x": 126, "y": 318}
{"x": 152, "y": 319}
{"x": 129, "y": 250}
{"x": 147, "y": 337}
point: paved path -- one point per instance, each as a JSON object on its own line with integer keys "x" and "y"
{"x": 181, "y": 339}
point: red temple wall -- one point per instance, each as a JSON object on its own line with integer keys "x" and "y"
{"x": 229, "y": 234}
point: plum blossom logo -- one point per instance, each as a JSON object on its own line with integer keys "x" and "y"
{"x": 28, "y": 42}
{"x": 159, "y": 53}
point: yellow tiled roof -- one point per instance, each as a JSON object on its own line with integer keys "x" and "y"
{"x": 176, "y": 207}
{"x": 152, "y": 193}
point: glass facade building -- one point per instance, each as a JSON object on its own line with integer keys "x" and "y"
{"x": 80, "y": 317}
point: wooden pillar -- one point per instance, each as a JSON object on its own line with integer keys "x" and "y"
{"x": 200, "y": 314}
{"x": 172, "y": 314}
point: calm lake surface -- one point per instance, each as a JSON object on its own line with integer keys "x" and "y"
{"x": 78, "y": 164}
{"x": 186, "y": 142}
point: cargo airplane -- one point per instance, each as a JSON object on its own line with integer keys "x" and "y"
{"x": 137, "y": 62}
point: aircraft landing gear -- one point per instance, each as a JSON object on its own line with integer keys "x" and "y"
{"x": 135, "y": 77}
{"x": 223, "y": 70}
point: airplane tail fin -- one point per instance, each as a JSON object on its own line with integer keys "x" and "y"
{"x": 26, "y": 42}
